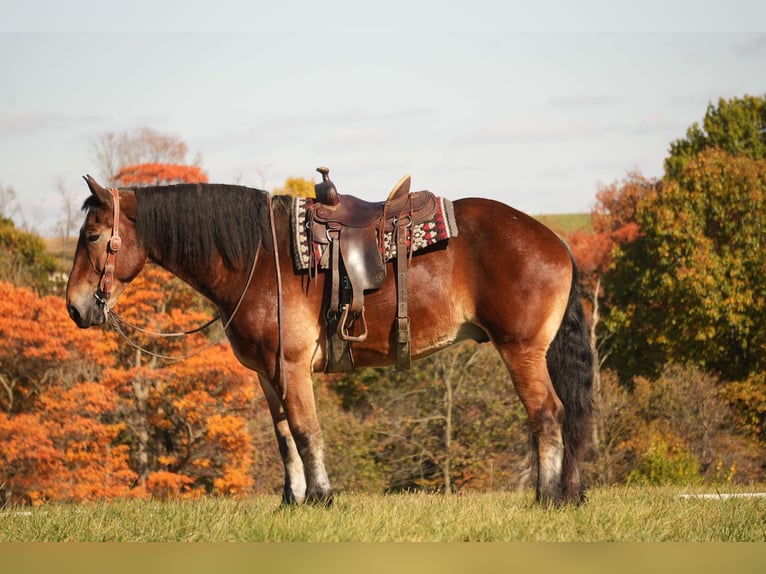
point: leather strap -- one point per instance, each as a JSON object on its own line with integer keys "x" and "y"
{"x": 334, "y": 236}
{"x": 112, "y": 247}
{"x": 403, "y": 348}
{"x": 281, "y": 352}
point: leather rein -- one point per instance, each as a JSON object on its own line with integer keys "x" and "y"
{"x": 107, "y": 279}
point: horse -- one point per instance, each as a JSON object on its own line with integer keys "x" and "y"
{"x": 505, "y": 279}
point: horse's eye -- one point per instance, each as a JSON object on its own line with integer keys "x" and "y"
{"x": 94, "y": 238}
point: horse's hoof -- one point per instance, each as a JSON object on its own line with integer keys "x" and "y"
{"x": 320, "y": 499}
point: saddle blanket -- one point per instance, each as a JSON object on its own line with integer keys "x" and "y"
{"x": 440, "y": 228}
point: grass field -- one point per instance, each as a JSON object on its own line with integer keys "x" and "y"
{"x": 566, "y": 222}
{"x": 612, "y": 514}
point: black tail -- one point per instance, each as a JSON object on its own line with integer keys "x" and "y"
{"x": 570, "y": 364}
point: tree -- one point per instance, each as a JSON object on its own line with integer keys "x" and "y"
{"x": 737, "y": 126}
{"x": 690, "y": 287}
{"x": 112, "y": 151}
{"x": 158, "y": 174}
{"x": 38, "y": 342}
{"x": 186, "y": 423}
{"x": 684, "y": 431}
{"x": 296, "y": 187}
{"x": 685, "y": 287}
{"x": 23, "y": 258}
{"x": 55, "y": 426}
{"x": 748, "y": 398}
{"x": 435, "y": 428}
{"x": 68, "y": 222}
{"x": 9, "y": 202}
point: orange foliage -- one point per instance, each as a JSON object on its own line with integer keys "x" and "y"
{"x": 164, "y": 484}
{"x": 159, "y": 174}
{"x": 614, "y": 222}
{"x": 29, "y": 463}
{"x": 40, "y": 344}
{"x": 189, "y": 417}
{"x": 195, "y": 413}
{"x": 66, "y": 437}
{"x": 64, "y": 451}
{"x": 617, "y": 203}
{"x": 57, "y": 443}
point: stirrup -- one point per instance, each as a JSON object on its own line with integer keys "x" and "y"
{"x": 343, "y": 331}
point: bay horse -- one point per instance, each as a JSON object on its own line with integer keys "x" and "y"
{"x": 505, "y": 278}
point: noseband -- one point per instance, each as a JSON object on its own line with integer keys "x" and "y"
{"x": 112, "y": 247}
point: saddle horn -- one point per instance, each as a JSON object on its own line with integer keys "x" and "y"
{"x": 325, "y": 189}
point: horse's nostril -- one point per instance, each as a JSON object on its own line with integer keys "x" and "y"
{"x": 74, "y": 313}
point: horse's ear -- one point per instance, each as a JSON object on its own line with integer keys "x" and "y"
{"x": 96, "y": 189}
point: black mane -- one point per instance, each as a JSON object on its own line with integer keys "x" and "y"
{"x": 189, "y": 223}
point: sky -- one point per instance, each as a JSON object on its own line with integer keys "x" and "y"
{"x": 533, "y": 104}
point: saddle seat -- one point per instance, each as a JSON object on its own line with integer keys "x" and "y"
{"x": 355, "y": 231}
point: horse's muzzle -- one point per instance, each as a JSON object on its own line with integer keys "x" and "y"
{"x": 89, "y": 316}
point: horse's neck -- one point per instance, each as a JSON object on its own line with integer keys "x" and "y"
{"x": 205, "y": 278}
{"x": 223, "y": 286}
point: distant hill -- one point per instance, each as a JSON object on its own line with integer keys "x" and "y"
{"x": 566, "y": 222}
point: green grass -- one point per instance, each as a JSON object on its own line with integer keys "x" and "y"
{"x": 611, "y": 514}
{"x": 566, "y": 222}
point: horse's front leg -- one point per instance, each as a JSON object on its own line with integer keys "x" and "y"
{"x": 294, "y": 491}
{"x": 302, "y": 417}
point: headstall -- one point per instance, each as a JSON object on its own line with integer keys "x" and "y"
{"x": 112, "y": 247}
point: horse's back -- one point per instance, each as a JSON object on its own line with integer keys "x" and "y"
{"x": 489, "y": 221}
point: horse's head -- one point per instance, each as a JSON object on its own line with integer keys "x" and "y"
{"x": 108, "y": 255}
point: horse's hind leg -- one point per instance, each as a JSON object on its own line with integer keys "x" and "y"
{"x": 530, "y": 377}
{"x": 294, "y": 491}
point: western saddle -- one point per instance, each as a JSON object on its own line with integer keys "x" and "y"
{"x": 354, "y": 234}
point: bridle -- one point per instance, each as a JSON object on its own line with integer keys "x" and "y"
{"x": 104, "y": 290}
{"x": 107, "y": 279}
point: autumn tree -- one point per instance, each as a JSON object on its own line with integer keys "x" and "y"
{"x": 296, "y": 187}
{"x": 145, "y": 174}
{"x": 690, "y": 287}
{"x": 56, "y": 427}
{"x": 186, "y": 423}
{"x": 684, "y": 430}
{"x": 113, "y": 151}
